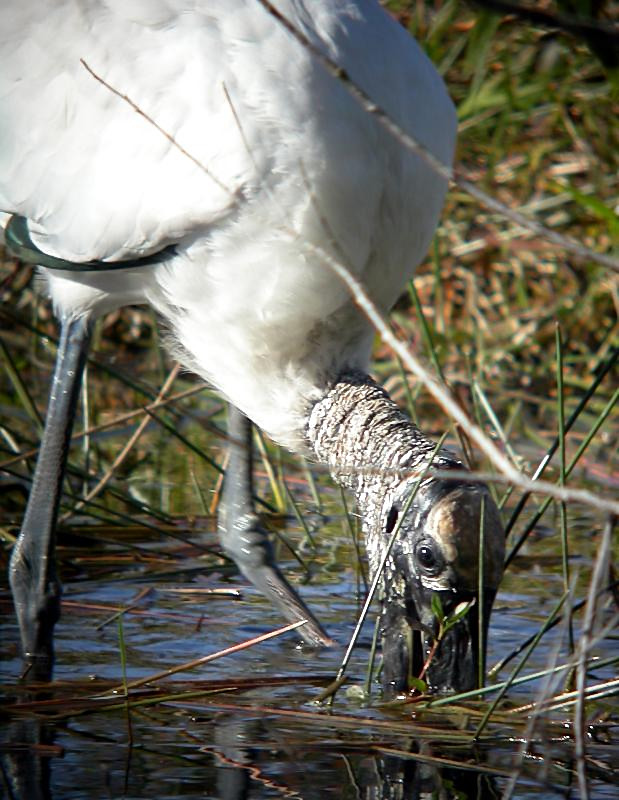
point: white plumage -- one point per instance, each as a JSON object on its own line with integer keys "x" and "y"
{"x": 288, "y": 155}
{"x": 128, "y": 127}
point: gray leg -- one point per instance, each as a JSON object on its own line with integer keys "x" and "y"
{"x": 32, "y": 572}
{"x": 245, "y": 540}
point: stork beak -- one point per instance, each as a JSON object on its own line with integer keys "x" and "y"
{"x": 437, "y": 555}
{"x": 458, "y": 660}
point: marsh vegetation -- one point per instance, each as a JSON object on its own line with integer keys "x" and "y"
{"x": 524, "y": 334}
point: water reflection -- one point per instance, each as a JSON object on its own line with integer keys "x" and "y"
{"x": 239, "y": 762}
{"x": 182, "y": 750}
{"x": 25, "y": 759}
{"x": 407, "y": 779}
{"x": 385, "y": 777}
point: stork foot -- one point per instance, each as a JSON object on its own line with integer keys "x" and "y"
{"x": 37, "y": 606}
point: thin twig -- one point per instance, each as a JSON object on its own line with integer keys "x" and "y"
{"x": 448, "y": 404}
{"x": 518, "y": 667}
{"x": 412, "y": 144}
{"x": 576, "y": 607}
{"x": 111, "y": 423}
{"x": 378, "y": 576}
{"x": 601, "y": 374}
{"x": 473, "y": 694}
{"x": 129, "y": 445}
{"x": 581, "y": 449}
{"x": 586, "y": 636}
{"x": 125, "y": 98}
{"x": 196, "y": 662}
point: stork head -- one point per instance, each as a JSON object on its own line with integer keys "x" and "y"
{"x": 433, "y": 577}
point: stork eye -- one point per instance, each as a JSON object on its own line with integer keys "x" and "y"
{"x": 392, "y": 518}
{"x": 427, "y": 557}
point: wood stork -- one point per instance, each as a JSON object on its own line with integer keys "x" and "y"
{"x": 210, "y": 203}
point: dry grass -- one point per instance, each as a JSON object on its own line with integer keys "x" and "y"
{"x": 539, "y": 132}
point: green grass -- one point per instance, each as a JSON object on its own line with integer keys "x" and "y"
{"x": 539, "y": 131}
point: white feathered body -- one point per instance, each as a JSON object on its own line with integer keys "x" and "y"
{"x": 265, "y": 157}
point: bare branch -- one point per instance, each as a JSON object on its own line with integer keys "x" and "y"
{"x": 444, "y": 399}
{"x": 412, "y": 144}
{"x": 600, "y": 570}
{"x": 364, "y": 302}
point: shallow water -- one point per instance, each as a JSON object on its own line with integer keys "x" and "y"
{"x": 246, "y": 725}
{"x": 271, "y": 740}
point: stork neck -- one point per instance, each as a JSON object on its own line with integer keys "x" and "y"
{"x": 367, "y": 442}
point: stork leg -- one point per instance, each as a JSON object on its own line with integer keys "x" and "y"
{"x": 32, "y": 572}
{"x": 245, "y": 540}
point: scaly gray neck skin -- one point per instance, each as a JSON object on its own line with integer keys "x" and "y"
{"x": 373, "y": 449}
{"x": 370, "y": 447}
